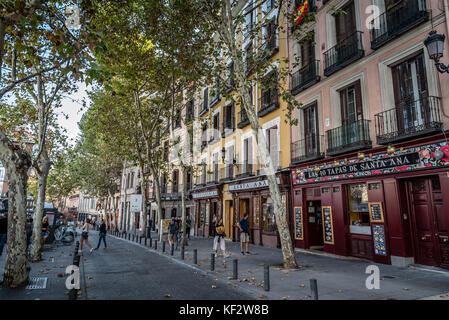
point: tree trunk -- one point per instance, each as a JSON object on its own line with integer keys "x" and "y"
{"x": 36, "y": 248}
{"x": 183, "y": 205}
{"x": 143, "y": 186}
{"x": 158, "y": 195}
{"x": 114, "y": 210}
{"x": 17, "y": 163}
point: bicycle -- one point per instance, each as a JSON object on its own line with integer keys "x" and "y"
{"x": 64, "y": 234}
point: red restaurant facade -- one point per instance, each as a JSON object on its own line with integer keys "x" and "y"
{"x": 390, "y": 206}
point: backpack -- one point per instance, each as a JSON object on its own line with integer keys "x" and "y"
{"x": 172, "y": 227}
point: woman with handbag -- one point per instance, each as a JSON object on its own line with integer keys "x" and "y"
{"x": 219, "y": 238}
{"x": 85, "y": 236}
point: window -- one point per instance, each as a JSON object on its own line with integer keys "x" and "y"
{"x": 249, "y": 19}
{"x": 177, "y": 122}
{"x": 269, "y": 5}
{"x": 216, "y": 126}
{"x": 358, "y": 205}
{"x": 345, "y": 23}
{"x": 270, "y": 36}
{"x": 351, "y": 104}
{"x": 2, "y": 173}
{"x": 228, "y": 118}
{"x": 205, "y": 98}
{"x": 270, "y": 92}
{"x": 132, "y": 179}
{"x": 311, "y": 131}
{"x": 272, "y": 140}
{"x": 268, "y": 218}
{"x": 248, "y": 155}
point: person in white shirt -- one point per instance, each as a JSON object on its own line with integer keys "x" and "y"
{"x": 85, "y": 235}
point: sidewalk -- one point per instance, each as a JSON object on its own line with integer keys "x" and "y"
{"x": 339, "y": 278}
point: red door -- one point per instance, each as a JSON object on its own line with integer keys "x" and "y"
{"x": 429, "y": 222}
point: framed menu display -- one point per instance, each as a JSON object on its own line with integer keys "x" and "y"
{"x": 376, "y": 213}
{"x": 379, "y": 239}
{"x": 299, "y": 225}
{"x": 328, "y": 228}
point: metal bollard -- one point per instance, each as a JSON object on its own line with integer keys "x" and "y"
{"x": 195, "y": 256}
{"x": 151, "y": 242}
{"x": 212, "y": 261}
{"x": 266, "y": 281}
{"x": 163, "y": 246}
{"x": 235, "y": 266}
{"x": 182, "y": 253}
{"x": 172, "y": 250}
{"x": 314, "y": 289}
{"x": 146, "y": 241}
{"x": 133, "y": 237}
{"x": 155, "y": 244}
{"x": 129, "y": 236}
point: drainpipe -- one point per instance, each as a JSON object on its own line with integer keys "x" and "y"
{"x": 446, "y": 11}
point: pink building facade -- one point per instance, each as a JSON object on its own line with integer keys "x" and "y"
{"x": 369, "y": 156}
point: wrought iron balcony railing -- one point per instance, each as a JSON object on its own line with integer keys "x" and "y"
{"x": 347, "y": 138}
{"x": 243, "y": 119}
{"x": 409, "y": 119}
{"x": 396, "y": 20}
{"x": 227, "y": 173}
{"x": 307, "y": 149}
{"x": 305, "y": 77}
{"x": 244, "y": 170}
{"x": 268, "y": 102}
{"x": 345, "y": 52}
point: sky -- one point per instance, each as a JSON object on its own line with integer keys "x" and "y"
{"x": 73, "y": 108}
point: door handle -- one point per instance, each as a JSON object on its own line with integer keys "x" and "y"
{"x": 423, "y": 238}
{"x": 445, "y": 240}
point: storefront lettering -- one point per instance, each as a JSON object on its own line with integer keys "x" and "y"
{"x": 251, "y": 185}
{"x": 408, "y": 159}
{"x": 205, "y": 194}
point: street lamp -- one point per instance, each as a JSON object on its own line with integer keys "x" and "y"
{"x": 435, "y": 45}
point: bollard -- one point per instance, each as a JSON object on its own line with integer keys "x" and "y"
{"x": 129, "y": 236}
{"x": 155, "y": 244}
{"x": 151, "y": 242}
{"x": 212, "y": 261}
{"x": 182, "y": 253}
{"x": 145, "y": 241}
{"x": 172, "y": 249}
{"x": 163, "y": 246}
{"x": 314, "y": 289}
{"x": 195, "y": 256}
{"x": 133, "y": 237}
{"x": 266, "y": 273}
{"x": 235, "y": 264}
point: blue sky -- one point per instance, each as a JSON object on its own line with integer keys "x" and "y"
{"x": 73, "y": 108}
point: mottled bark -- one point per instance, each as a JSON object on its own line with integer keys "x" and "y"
{"x": 17, "y": 163}
{"x": 158, "y": 195}
{"x": 143, "y": 186}
{"x": 36, "y": 247}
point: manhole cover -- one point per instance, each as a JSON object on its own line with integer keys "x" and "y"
{"x": 37, "y": 283}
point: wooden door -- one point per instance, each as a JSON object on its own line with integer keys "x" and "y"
{"x": 429, "y": 222}
{"x": 315, "y": 223}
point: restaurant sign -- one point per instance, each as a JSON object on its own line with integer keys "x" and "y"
{"x": 208, "y": 194}
{"x": 407, "y": 159}
{"x": 251, "y": 185}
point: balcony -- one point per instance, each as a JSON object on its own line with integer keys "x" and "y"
{"x": 227, "y": 173}
{"x": 348, "y": 138}
{"x": 307, "y": 149}
{"x": 269, "y": 47}
{"x": 243, "y": 170}
{"x": 305, "y": 77}
{"x": 397, "y": 20}
{"x": 409, "y": 120}
{"x": 275, "y": 161}
{"x": 344, "y": 53}
{"x": 228, "y": 126}
{"x": 212, "y": 177}
{"x": 172, "y": 192}
{"x": 268, "y": 102}
{"x": 243, "y": 119}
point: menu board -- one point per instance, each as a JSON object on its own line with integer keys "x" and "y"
{"x": 256, "y": 212}
{"x": 328, "y": 227}
{"x": 376, "y": 212}
{"x": 299, "y": 225}
{"x": 379, "y": 239}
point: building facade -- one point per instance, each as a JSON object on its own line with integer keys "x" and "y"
{"x": 369, "y": 156}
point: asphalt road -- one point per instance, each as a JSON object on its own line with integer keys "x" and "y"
{"x": 124, "y": 271}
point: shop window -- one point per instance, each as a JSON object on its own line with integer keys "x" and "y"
{"x": 436, "y": 184}
{"x": 419, "y": 186}
{"x": 268, "y": 218}
{"x": 336, "y": 189}
{"x": 326, "y": 190}
{"x": 374, "y": 186}
{"x": 358, "y": 205}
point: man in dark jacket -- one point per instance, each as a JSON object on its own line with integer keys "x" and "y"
{"x": 172, "y": 230}
{"x": 102, "y": 234}
{"x": 3, "y": 231}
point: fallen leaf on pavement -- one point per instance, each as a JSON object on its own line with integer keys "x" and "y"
{"x": 168, "y": 295}
{"x": 302, "y": 285}
{"x": 60, "y": 275}
{"x": 90, "y": 277}
{"x": 285, "y": 298}
{"x": 214, "y": 287}
{"x": 66, "y": 293}
{"x": 406, "y": 289}
{"x": 340, "y": 291}
{"x": 261, "y": 296}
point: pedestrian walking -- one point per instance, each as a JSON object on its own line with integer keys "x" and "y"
{"x": 188, "y": 226}
{"x": 244, "y": 234}
{"x": 3, "y": 231}
{"x": 45, "y": 231}
{"x": 219, "y": 239}
{"x": 172, "y": 230}
{"x": 102, "y": 234}
{"x": 85, "y": 236}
